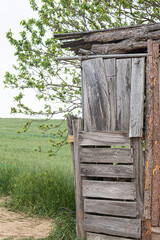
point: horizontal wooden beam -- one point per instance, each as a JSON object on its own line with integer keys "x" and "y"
{"x": 104, "y": 139}
{"x": 122, "y": 227}
{"x": 101, "y": 56}
{"x": 110, "y": 207}
{"x": 93, "y": 236}
{"x": 108, "y": 171}
{"x": 105, "y": 155}
{"x": 109, "y": 190}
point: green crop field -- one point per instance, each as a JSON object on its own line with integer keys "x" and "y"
{"x": 37, "y": 184}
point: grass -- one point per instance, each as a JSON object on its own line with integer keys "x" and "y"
{"x": 38, "y": 184}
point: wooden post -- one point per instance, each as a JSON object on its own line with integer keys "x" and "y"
{"x": 156, "y": 139}
{"x": 146, "y": 229}
{"x": 77, "y": 126}
{"x": 70, "y": 132}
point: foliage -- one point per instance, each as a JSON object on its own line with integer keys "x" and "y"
{"x": 65, "y": 223}
{"x": 37, "y": 48}
{"x": 35, "y": 186}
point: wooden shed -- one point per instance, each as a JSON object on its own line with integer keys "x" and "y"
{"x": 116, "y": 180}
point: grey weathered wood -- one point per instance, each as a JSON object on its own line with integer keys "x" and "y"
{"x": 114, "y": 208}
{"x": 114, "y": 226}
{"x": 109, "y": 190}
{"x": 137, "y": 145}
{"x": 110, "y": 69}
{"x": 123, "y": 93}
{"x": 104, "y": 139}
{"x": 77, "y": 126}
{"x": 96, "y": 96}
{"x": 70, "y": 132}
{"x": 93, "y": 236}
{"x": 105, "y": 155}
{"x": 137, "y": 97}
{"x": 111, "y": 171}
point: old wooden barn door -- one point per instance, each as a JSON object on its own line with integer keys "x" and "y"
{"x": 108, "y": 149}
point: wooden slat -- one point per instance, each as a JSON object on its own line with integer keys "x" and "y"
{"x": 104, "y": 139}
{"x": 96, "y": 96}
{"x": 114, "y": 208}
{"x": 105, "y": 155}
{"x": 122, "y": 227}
{"x": 110, "y": 70}
{"x": 101, "y": 170}
{"x": 110, "y": 190}
{"x": 123, "y": 93}
{"x": 93, "y": 236}
{"x": 77, "y": 126}
{"x": 137, "y": 97}
{"x": 137, "y": 145}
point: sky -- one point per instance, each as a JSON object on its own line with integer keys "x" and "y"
{"x": 11, "y": 14}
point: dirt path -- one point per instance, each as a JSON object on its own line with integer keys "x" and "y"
{"x": 15, "y": 226}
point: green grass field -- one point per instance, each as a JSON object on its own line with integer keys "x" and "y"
{"x": 38, "y": 184}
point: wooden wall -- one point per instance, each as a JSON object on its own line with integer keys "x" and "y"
{"x": 108, "y": 150}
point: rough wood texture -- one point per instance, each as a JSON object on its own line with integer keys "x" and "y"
{"x": 104, "y": 139}
{"x": 137, "y": 145}
{"x": 136, "y": 34}
{"x": 74, "y": 35}
{"x": 93, "y": 236}
{"x": 156, "y": 140}
{"x": 114, "y": 226}
{"x": 96, "y": 96}
{"x": 77, "y": 126}
{"x": 137, "y": 97}
{"x": 146, "y": 230}
{"x": 155, "y": 235}
{"x": 109, "y": 190}
{"x": 111, "y": 76}
{"x": 116, "y": 40}
{"x": 123, "y": 93}
{"x": 106, "y": 155}
{"x": 110, "y": 171}
{"x": 70, "y": 132}
{"x": 125, "y": 46}
{"x": 114, "y": 208}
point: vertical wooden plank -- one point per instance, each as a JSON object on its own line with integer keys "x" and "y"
{"x": 137, "y": 97}
{"x": 146, "y": 230}
{"x": 123, "y": 93}
{"x": 96, "y": 96}
{"x": 77, "y": 126}
{"x": 70, "y": 132}
{"x": 137, "y": 146}
{"x": 156, "y": 139}
{"x": 110, "y": 69}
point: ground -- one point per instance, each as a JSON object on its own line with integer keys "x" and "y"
{"x": 16, "y": 226}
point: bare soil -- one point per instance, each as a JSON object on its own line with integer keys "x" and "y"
{"x": 16, "y": 226}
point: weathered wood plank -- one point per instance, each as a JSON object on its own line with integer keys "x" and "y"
{"x": 111, "y": 171}
{"x": 104, "y": 139}
{"x": 109, "y": 190}
{"x": 155, "y": 233}
{"x": 70, "y": 132}
{"x": 137, "y": 145}
{"x": 77, "y": 126}
{"x": 156, "y": 141}
{"x": 122, "y": 227}
{"x": 123, "y": 93}
{"x": 106, "y": 155}
{"x": 114, "y": 208}
{"x": 96, "y": 96}
{"x": 110, "y": 69}
{"x": 146, "y": 231}
{"x": 93, "y": 236}
{"x": 137, "y": 97}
